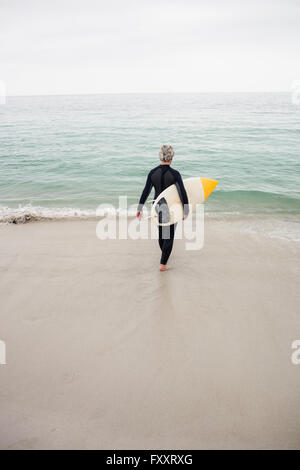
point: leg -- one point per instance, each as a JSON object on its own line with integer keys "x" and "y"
{"x": 160, "y": 237}
{"x": 163, "y": 217}
{"x": 168, "y": 240}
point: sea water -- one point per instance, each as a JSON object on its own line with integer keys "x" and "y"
{"x": 62, "y": 156}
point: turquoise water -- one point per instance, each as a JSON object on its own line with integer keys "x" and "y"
{"x": 66, "y": 153}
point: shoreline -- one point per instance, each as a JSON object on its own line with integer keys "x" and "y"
{"x": 284, "y": 227}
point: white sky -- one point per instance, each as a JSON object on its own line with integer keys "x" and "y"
{"x": 115, "y": 46}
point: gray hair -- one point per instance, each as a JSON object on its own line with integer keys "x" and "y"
{"x": 166, "y": 153}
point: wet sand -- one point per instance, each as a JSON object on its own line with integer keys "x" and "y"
{"x": 106, "y": 352}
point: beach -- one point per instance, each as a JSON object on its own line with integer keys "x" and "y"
{"x": 115, "y": 116}
{"x": 106, "y": 352}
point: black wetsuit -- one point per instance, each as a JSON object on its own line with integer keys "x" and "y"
{"x": 161, "y": 177}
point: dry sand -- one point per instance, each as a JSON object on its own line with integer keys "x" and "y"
{"x": 104, "y": 351}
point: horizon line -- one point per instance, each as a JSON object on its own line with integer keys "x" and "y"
{"x": 144, "y": 93}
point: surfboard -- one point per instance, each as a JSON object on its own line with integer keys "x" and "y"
{"x": 168, "y": 204}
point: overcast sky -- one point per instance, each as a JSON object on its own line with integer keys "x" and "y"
{"x": 99, "y": 46}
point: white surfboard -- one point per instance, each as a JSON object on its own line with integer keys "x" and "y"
{"x": 198, "y": 189}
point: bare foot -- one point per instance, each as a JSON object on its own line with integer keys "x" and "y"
{"x": 163, "y": 267}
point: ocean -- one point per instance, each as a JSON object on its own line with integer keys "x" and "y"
{"x": 62, "y": 156}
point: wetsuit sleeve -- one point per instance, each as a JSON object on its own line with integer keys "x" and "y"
{"x": 182, "y": 194}
{"x": 145, "y": 193}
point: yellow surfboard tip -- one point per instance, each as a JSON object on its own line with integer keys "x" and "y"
{"x": 208, "y": 186}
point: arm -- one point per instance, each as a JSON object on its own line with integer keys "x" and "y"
{"x": 183, "y": 195}
{"x": 145, "y": 194}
